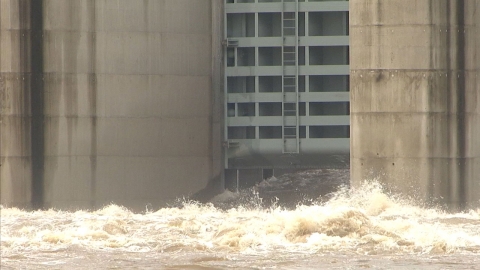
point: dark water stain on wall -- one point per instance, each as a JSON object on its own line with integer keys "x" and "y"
{"x": 449, "y": 95}
{"x": 92, "y": 99}
{"x": 22, "y": 98}
{"x": 70, "y": 73}
{"x": 432, "y": 87}
{"x": 461, "y": 101}
{"x": 456, "y": 123}
{"x": 37, "y": 99}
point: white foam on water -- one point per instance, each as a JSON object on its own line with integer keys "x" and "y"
{"x": 225, "y": 196}
{"x": 365, "y": 221}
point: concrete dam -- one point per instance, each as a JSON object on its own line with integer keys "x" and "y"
{"x": 142, "y": 102}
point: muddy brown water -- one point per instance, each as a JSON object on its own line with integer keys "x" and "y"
{"x": 263, "y": 228}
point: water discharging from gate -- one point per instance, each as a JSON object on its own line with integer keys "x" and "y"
{"x": 362, "y": 228}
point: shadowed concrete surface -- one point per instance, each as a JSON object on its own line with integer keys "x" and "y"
{"x": 415, "y": 90}
{"x": 109, "y": 101}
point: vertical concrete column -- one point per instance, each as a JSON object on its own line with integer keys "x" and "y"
{"x": 155, "y": 100}
{"x": 110, "y": 101}
{"x": 15, "y": 105}
{"x": 414, "y": 97}
{"x": 132, "y": 101}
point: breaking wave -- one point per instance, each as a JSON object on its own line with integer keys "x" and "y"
{"x": 366, "y": 220}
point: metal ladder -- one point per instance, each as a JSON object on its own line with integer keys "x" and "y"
{"x": 290, "y": 126}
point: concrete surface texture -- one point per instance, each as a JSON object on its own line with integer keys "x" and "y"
{"x": 129, "y": 107}
{"x": 15, "y": 80}
{"x": 415, "y": 95}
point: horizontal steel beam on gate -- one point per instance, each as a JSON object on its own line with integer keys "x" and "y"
{"x": 278, "y": 7}
{"x": 277, "y": 97}
{"x": 302, "y": 41}
{"x": 271, "y": 121}
{"x": 278, "y": 70}
{"x": 274, "y": 146}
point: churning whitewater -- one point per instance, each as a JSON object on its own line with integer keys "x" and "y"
{"x": 362, "y": 222}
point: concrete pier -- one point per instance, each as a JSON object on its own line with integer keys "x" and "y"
{"x": 107, "y": 101}
{"x": 415, "y": 97}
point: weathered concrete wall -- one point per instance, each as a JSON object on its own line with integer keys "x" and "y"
{"x": 131, "y": 93}
{"x": 71, "y": 98}
{"x": 15, "y": 80}
{"x": 472, "y": 102}
{"x": 415, "y": 96}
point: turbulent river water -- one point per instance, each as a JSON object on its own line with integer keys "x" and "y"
{"x": 265, "y": 227}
